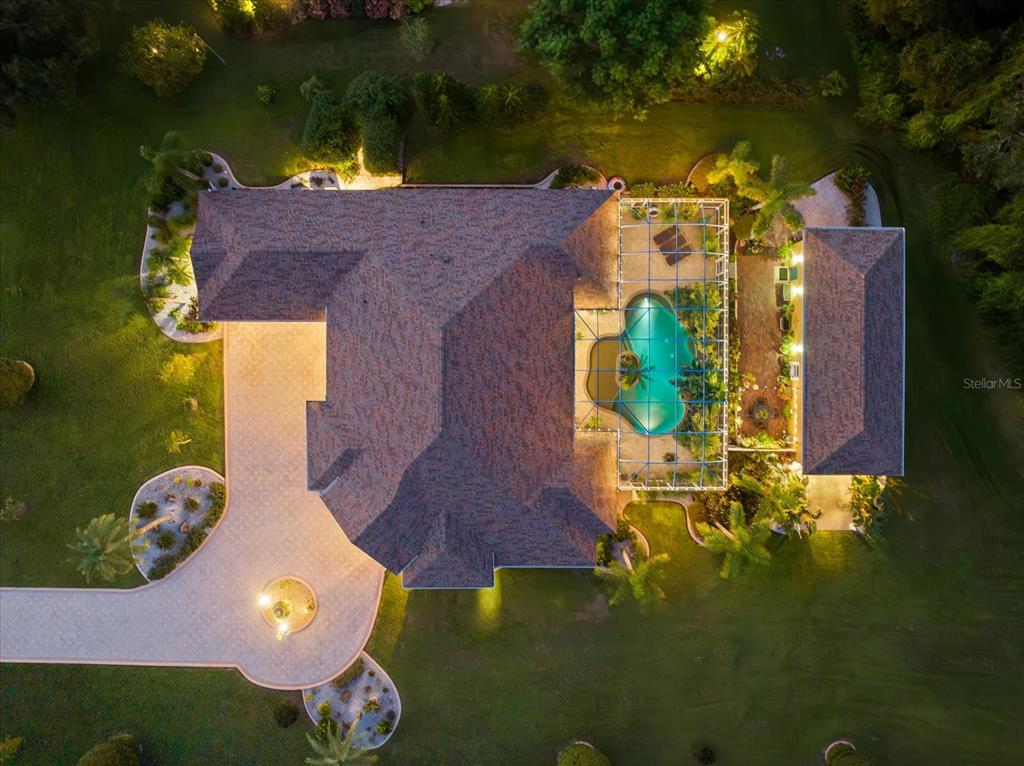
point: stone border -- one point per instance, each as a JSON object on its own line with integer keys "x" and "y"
{"x": 133, "y": 517}
{"x": 313, "y": 696}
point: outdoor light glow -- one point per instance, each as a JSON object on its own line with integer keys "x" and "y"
{"x": 798, "y": 259}
{"x": 282, "y": 630}
{"x": 798, "y": 290}
{"x": 795, "y": 466}
{"x": 722, "y": 36}
{"x": 263, "y": 600}
{"x": 797, "y": 348}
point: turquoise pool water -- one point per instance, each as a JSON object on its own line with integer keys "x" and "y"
{"x": 653, "y": 333}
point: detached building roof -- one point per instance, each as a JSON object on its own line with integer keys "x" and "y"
{"x": 854, "y": 321}
{"x": 445, "y": 445}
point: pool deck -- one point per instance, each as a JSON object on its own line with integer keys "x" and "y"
{"x": 205, "y": 613}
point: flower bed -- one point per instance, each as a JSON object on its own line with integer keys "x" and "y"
{"x": 364, "y": 692}
{"x": 194, "y": 498}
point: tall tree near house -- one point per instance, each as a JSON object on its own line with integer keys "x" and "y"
{"x": 163, "y": 56}
{"x": 736, "y": 165}
{"x": 775, "y": 197}
{"x": 632, "y": 55}
{"x": 740, "y": 543}
{"x": 639, "y": 582}
{"x": 103, "y": 549}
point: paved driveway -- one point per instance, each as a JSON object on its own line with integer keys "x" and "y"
{"x": 205, "y": 613}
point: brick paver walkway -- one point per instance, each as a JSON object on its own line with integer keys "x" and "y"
{"x": 205, "y": 613}
{"x": 758, "y": 318}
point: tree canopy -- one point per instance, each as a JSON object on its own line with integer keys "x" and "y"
{"x": 634, "y": 55}
{"x": 331, "y": 135}
{"x": 42, "y": 44}
{"x": 166, "y": 58}
{"x": 16, "y": 380}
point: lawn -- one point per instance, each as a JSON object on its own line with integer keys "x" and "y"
{"x": 911, "y": 647}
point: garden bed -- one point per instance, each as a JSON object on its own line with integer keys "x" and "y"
{"x": 194, "y": 497}
{"x": 363, "y": 688}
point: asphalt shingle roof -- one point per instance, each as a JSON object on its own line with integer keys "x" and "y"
{"x": 445, "y": 445}
{"x": 853, "y": 403}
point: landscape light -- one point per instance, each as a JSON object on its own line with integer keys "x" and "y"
{"x": 722, "y": 35}
{"x": 282, "y": 630}
{"x": 795, "y": 467}
{"x": 797, "y": 348}
{"x": 263, "y": 600}
{"x": 797, "y": 259}
{"x": 798, "y": 290}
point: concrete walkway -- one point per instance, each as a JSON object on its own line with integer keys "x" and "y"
{"x": 205, "y": 613}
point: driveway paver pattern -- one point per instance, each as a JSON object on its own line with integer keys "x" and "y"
{"x": 205, "y": 613}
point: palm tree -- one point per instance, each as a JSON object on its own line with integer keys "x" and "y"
{"x": 104, "y": 548}
{"x": 333, "y": 747}
{"x": 638, "y": 581}
{"x": 775, "y": 197}
{"x": 736, "y": 165}
{"x": 740, "y": 543}
{"x": 782, "y": 499}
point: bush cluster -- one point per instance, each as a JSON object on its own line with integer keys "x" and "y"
{"x": 380, "y": 102}
{"x": 572, "y": 176}
{"x": 331, "y": 134}
{"x": 165, "y": 564}
{"x": 450, "y": 104}
{"x": 852, "y": 181}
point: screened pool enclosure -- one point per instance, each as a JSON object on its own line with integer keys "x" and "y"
{"x": 654, "y": 369}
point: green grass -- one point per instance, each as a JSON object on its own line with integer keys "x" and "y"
{"x": 910, "y": 647}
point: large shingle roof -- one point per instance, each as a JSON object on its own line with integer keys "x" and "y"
{"x": 445, "y": 445}
{"x": 853, "y": 351}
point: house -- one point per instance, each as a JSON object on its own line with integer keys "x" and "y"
{"x": 445, "y": 445}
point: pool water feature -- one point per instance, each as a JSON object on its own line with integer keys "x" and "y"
{"x": 652, "y": 404}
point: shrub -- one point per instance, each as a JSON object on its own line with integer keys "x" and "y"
{"x": 603, "y": 551}
{"x": 16, "y": 380}
{"x": 121, "y": 750}
{"x": 924, "y": 130}
{"x": 582, "y": 754}
{"x": 415, "y": 38}
{"x": 418, "y": 6}
{"x": 206, "y": 158}
{"x": 191, "y": 504}
{"x": 705, "y": 755}
{"x": 13, "y": 510}
{"x": 852, "y": 181}
{"x": 165, "y": 182}
{"x": 384, "y": 9}
{"x": 832, "y": 84}
{"x": 331, "y": 134}
{"x": 218, "y": 168}
{"x": 510, "y": 104}
{"x": 350, "y": 674}
{"x": 311, "y": 87}
{"x": 286, "y": 713}
{"x": 572, "y": 176}
{"x": 447, "y": 103}
{"x": 868, "y": 503}
{"x": 164, "y": 57}
{"x": 372, "y": 93}
{"x": 371, "y": 704}
{"x": 265, "y": 93}
{"x": 165, "y": 540}
{"x": 384, "y": 727}
{"x": 222, "y": 182}
{"x": 323, "y": 709}
{"x": 146, "y": 510}
{"x": 382, "y": 142}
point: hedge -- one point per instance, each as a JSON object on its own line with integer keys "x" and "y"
{"x": 382, "y": 142}
{"x": 331, "y": 134}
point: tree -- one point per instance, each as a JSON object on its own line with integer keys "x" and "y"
{"x": 868, "y": 503}
{"x": 16, "y": 380}
{"x": 941, "y": 65}
{"x": 334, "y": 747}
{"x": 375, "y": 93}
{"x": 103, "y": 548}
{"x": 509, "y": 104}
{"x": 582, "y": 754}
{"x": 639, "y": 583}
{"x": 736, "y": 165}
{"x": 175, "y": 173}
{"x": 446, "y": 102}
{"x": 331, "y": 135}
{"x": 729, "y": 48}
{"x": 781, "y": 498}
{"x": 633, "y": 55}
{"x": 176, "y": 440}
{"x": 311, "y": 87}
{"x": 776, "y": 196}
{"x": 9, "y": 747}
{"x": 741, "y": 544}
{"x": 415, "y": 38}
{"x": 164, "y": 57}
{"x": 43, "y": 42}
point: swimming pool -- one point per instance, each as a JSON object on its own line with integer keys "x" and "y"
{"x": 652, "y": 404}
